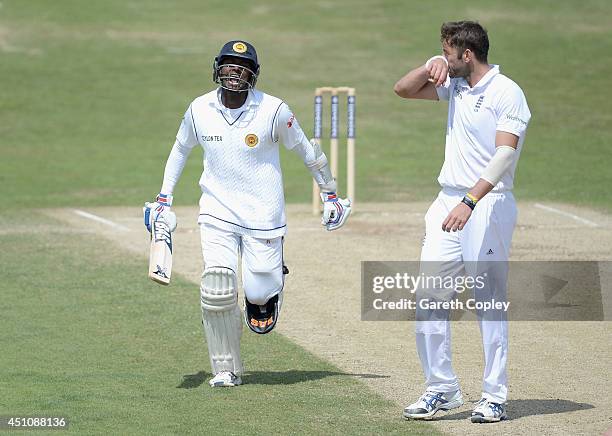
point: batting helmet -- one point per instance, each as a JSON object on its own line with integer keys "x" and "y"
{"x": 238, "y": 49}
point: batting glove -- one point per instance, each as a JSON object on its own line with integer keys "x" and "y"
{"x": 159, "y": 210}
{"x": 335, "y": 210}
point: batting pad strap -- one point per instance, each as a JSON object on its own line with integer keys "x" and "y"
{"x": 501, "y": 162}
{"x": 217, "y": 303}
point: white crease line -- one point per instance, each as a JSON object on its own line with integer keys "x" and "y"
{"x": 100, "y": 220}
{"x": 567, "y": 214}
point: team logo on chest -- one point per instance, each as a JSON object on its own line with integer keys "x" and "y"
{"x": 459, "y": 91}
{"x": 251, "y": 140}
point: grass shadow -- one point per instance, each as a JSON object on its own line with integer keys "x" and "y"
{"x": 294, "y": 376}
{"x": 191, "y": 381}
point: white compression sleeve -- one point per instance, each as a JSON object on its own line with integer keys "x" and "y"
{"x": 501, "y": 162}
{"x": 174, "y": 166}
{"x": 316, "y": 161}
{"x": 306, "y": 151}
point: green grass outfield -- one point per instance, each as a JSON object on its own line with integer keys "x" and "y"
{"x": 93, "y": 91}
{"x": 87, "y": 337}
{"x": 91, "y": 97}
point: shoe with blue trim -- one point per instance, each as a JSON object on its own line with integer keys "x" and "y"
{"x": 430, "y": 402}
{"x": 487, "y": 411}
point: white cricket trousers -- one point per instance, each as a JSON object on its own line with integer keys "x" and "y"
{"x": 485, "y": 240}
{"x": 262, "y": 260}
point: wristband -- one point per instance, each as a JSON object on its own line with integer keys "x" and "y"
{"x": 471, "y": 197}
{"x": 431, "y": 59}
{"x": 165, "y": 199}
{"x": 329, "y": 196}
{"x": 469, "y": 202}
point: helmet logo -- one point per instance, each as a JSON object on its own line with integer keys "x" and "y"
{"x": 251, "y": 140}
{"x": 239, "y": 47}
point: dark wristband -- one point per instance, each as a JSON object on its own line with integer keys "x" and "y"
{"x": 470, "y": 203}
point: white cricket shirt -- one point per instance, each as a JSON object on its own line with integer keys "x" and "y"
{"x": 242, "y": 186}
{"x": 474, "y": 115}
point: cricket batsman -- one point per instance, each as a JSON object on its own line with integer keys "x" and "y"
{"x": 470, "y": 223}
{"x": 242, "y": 207}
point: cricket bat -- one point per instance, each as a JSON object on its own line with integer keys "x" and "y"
{"x": 160, "y": 259}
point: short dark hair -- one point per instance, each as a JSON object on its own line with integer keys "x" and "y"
{"x": 464, "y": 35}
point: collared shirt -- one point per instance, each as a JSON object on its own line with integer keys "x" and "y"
{"x": 254, "y": 98}
{"x": 495, "y": 103}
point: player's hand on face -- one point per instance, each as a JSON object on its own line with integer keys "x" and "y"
{"x": 159, "y": 211}
{"x": 457, "y": 218}
{"x": 438, "y": 71}
{"x": 335, "y": 210}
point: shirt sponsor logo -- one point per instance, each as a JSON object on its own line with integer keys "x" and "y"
{"x": 290, "y": 122}
{"x": 210, "y": 138}
{"x": 514, "y": 118}
{"x": 251, "y": 140}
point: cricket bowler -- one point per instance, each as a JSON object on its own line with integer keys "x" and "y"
{"x": 242, "y": 207}
{"x": 471, "y": 221}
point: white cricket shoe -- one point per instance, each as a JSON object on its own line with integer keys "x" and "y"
{"x": 430, "y": 402}
{"x": 487, "y": 411}
{"x": 225, "y": 379}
